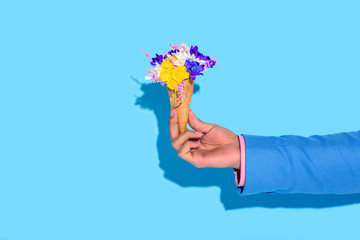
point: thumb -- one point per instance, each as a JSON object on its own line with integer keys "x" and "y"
{"x": 199, "y": 125}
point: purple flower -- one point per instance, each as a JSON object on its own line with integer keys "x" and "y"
{"x": 205, "y": 58}
{"x": 194, "y": 68}
{"x": 170, "y": 53}
{"x": 157, "y": 59}
{"x": 210, "y": 64}
{"x": 194, "y": 51}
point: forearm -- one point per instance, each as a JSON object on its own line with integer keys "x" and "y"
{"x": 328, "y": 164}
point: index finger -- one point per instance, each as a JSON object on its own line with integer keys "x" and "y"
{"x": 173, "y": 124}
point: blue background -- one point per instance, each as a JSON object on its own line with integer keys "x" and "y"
{"x": 84, "y": 148}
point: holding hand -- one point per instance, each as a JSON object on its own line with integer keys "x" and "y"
{"x": 208, "y": 146}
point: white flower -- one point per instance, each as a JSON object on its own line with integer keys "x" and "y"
{"x": 157, "y": 69}
{"x": 202, "y": 62}
{"x": 154, "y": 72}
{"x": 184, "y": 47}
{"x": 182, "y": 57}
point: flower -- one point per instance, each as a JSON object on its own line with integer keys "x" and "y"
{"x": 157, "y": 69}
{"x": 201, "y": 58}
{"x": 194, "y": 68}
{"x": 171, "y": 75}
{"x": 178, "y": 64}
{"x": 194, "y": 50}
{"x": 165, "y": 75}
{"x": 182, "y": 57}
{"x": 210, "y": 63}
{"x": 180, "y": 73}
{"x": 166, "y": 63}
{"x": 170, "y": 53}
{"x": 158, "y": 59}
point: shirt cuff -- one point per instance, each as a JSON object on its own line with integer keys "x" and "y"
{"x": 240, "y": 172}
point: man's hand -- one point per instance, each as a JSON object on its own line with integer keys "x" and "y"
{"x": 208, "y": 146}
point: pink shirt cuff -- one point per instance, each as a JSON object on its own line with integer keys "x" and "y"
{"x": 240, "y": 172}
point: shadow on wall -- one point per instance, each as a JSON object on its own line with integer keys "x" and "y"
{"x": 156, "y": 99}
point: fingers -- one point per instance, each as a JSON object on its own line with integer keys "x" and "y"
{"x": 185, "y": 151}
{"x": 173, "y": 124}
{"x": 182, "y": 138}
{"x": 198, "y": 125}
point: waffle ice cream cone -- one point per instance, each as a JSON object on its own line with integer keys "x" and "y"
{"x": 182, "y": 108}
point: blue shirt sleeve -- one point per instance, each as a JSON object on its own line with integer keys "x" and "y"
{"x": 328, "y": 164}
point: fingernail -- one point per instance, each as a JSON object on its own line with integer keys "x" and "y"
{"x": 198, "y": 133}
{"x": 171, "y": 113}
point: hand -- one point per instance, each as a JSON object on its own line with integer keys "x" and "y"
{"x": 208, "y": 146}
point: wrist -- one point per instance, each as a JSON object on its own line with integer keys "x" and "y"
{"x": 237, "y": 162}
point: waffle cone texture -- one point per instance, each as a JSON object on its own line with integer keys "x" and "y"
{"x": 182, "y": 108}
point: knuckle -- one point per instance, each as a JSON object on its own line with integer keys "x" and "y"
{"x": 191, "y": 134}
{"x": 185, "y": 134}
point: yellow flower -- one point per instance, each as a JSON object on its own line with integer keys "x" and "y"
{"x": 172, "y": 76}
{"x": 166, "y": 63}
{"x": 165, "y": 74}
{"x": 171, "y": 84}
{"x": 166, "y": 70}
{"x": 179, "y": 74}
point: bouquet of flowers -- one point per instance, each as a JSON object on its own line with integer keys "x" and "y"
{"x": 178, "y": 68}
